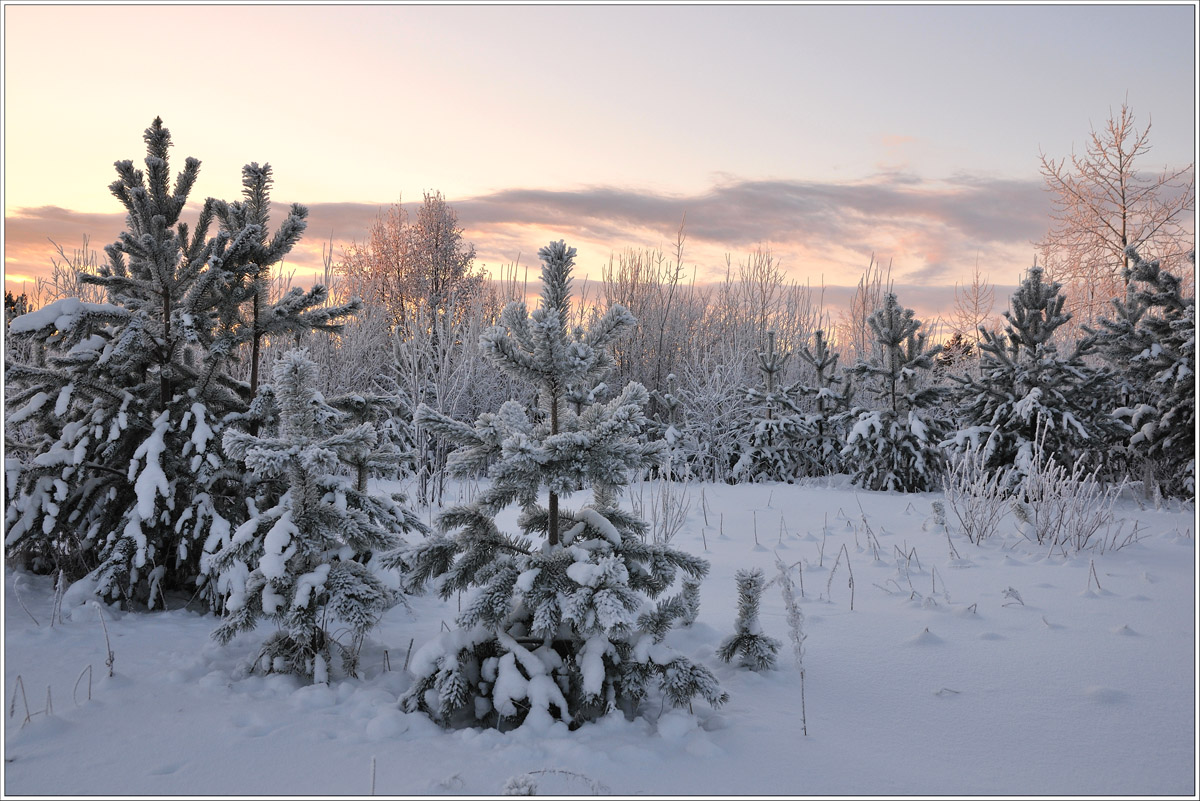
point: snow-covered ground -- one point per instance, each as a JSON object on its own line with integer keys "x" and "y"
{"x": 939, "y": 681}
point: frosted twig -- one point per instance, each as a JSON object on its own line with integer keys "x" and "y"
{"x": 795, "y": 619}
{"x": 829, "y": 583}
{"x": 75, "y": 689}
{"x": 21, "y": 601}
{"x": 597, "y": 788}
{"x": 60, "y": 589}
{"x": 107, "y": 644}
{"x": 12, "y": 707}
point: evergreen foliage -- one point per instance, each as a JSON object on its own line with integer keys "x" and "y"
{"x": 829, "y": 396}
{"x": 754, "y": 649}
{"x": 669, "y": 426}
{"x": 1151, "y": 343}
{"x": 691, "y": 600}
{"x": 245, "y": 224}
{"x": 558, "y": 623}
{"x": 776, "y": 443}
{"x": 894, "y": 446}
{"x": 1024, "y": 380}
{"x": 300, "y": 562}
{"x": 125, "y": 479}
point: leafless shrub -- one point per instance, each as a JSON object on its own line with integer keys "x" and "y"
{"x": 975, "y": 494}
{"x": 1066, "y": 510}
{"x": 664, "y": 504}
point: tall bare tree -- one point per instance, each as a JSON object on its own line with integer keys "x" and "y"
{"x": 1103, "y": 204}
{"x": 973, "y": 305}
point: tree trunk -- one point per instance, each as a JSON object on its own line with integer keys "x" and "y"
{"x": 552, "y": 525}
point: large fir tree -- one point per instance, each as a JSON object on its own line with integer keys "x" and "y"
{"x": 1025, "y": 381}
{"x": 1151, "y": 342}
{"x": 558, "y": 623}
{"x": 125, "y": 479}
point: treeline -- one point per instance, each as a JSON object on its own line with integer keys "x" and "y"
{"x": 129, "y": 380}
{"x": 180, "y": 422}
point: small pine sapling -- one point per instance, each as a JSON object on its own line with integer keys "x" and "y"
{"x": 895, "y": 445}
{"x": 776, "y": 441}
{"x": 558, "y": 622}
{"x": 830, "y": 394}
{"x": 301, "y": 561}
{"x": 755, "y": 649}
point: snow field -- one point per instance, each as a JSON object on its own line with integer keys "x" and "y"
{"x": 953, "y": 688}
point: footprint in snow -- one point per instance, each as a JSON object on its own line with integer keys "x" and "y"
{"x": 1104, "y": 695}
{"x": 167, "y": 769}
{"x": 926, "y": 637}
{"x": 991, "y": 635}
{"x": 253, "y": 725}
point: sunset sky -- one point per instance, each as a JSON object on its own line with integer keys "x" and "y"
{"x": 827, "y": 133}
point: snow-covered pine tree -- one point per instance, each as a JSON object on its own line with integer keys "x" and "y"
{"x": 894, "y": 445}
{"x": 755, "y": 650}
{"x": 830, "y": 395}
{"x": 668, "y": 425}
{"x": 301, "y": 561}
{"x": 125, "y": 480}
{"x": 1024, "y": 379}
{"x": 559, "y": 623}
{"x": 1151, "y": 343}
{"x": 776, "y": 443}
{"x": 390, "y": 415}
{"x": 248, "y": 315}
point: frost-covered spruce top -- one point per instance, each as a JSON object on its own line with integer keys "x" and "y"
{"x": 1026, "y": 382}
{"x": 573, "y": 604}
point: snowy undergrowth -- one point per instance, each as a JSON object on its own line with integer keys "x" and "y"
{"x": 939, "y": 682}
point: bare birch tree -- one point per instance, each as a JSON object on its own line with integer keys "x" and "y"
{"x": 1103, "y": 204}
{"x": 973, "y": 305}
